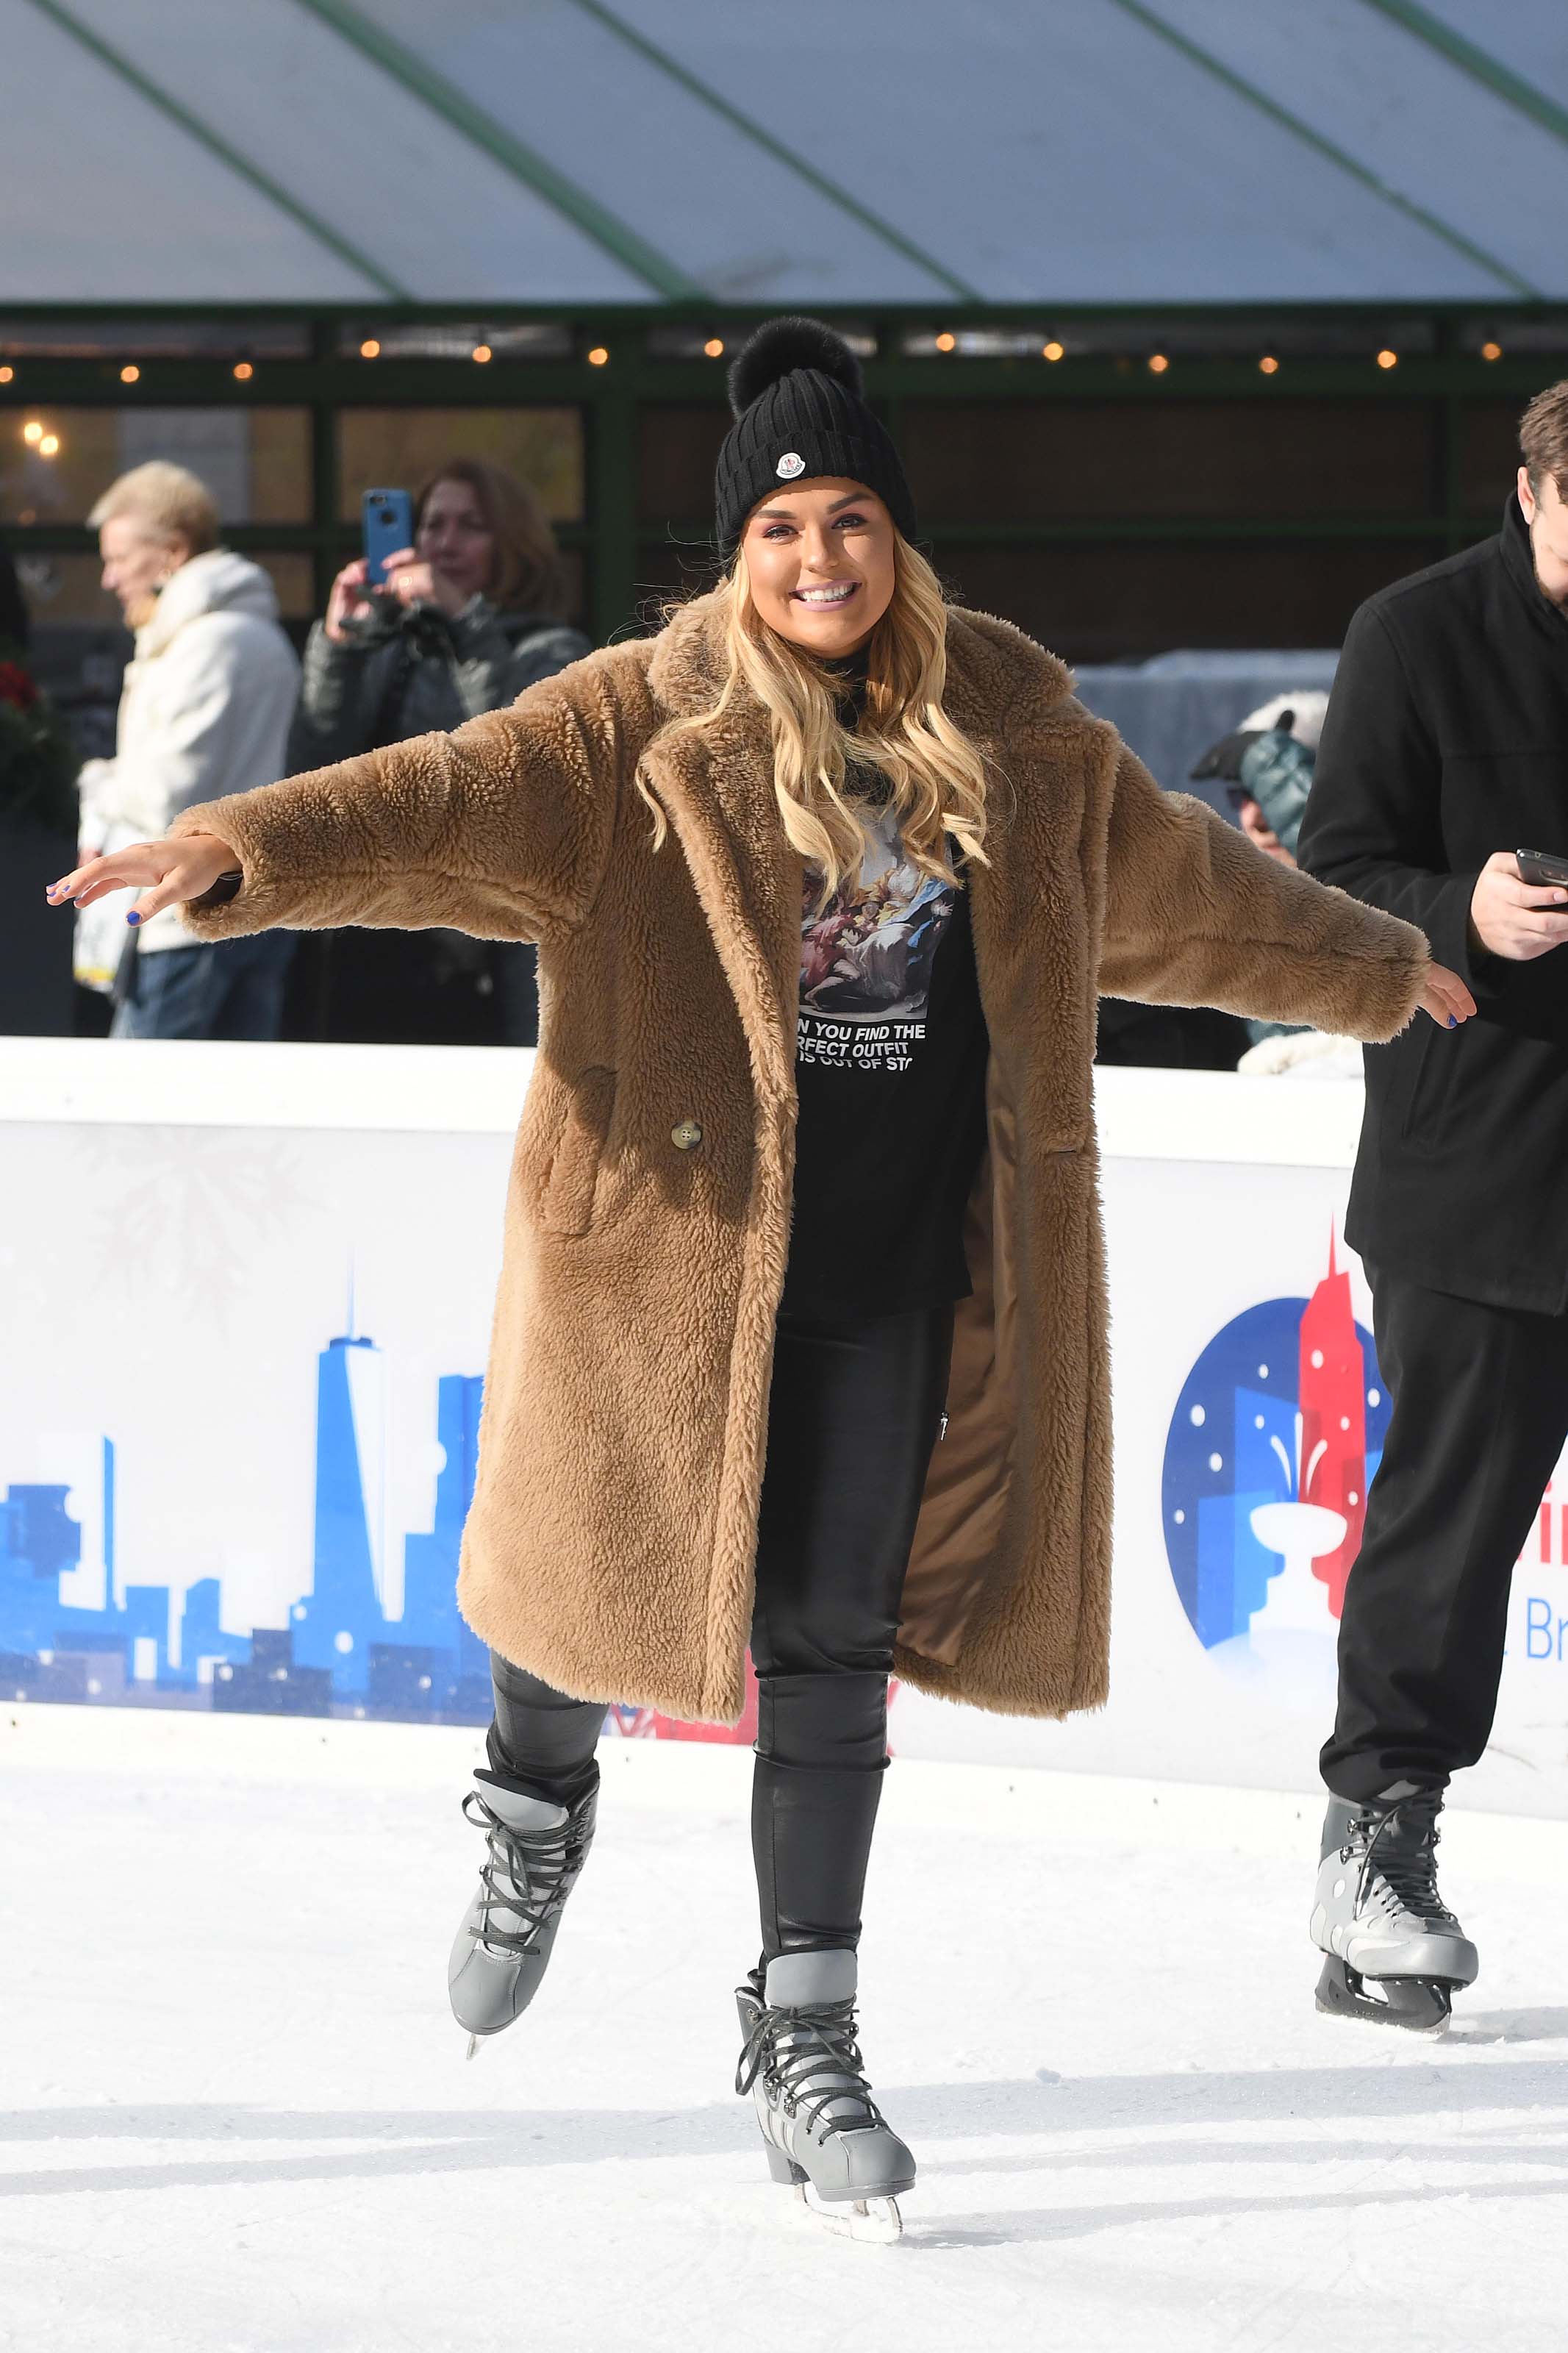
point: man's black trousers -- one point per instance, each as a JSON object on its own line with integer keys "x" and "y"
{"x": 853, "y": 1414}
{"x": 1479, "y": 1399}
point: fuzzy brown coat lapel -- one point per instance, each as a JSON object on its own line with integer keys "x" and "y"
{"x": 611, "y": 1542}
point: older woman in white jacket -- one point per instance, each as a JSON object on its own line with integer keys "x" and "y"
{"x": 206, "y": 709}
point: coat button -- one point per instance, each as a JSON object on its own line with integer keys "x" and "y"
{"x": 687, "y": 1136}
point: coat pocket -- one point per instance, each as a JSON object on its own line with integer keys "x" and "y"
{"x": 566, "y": 1205}
{"x": 1430, "y": 1082}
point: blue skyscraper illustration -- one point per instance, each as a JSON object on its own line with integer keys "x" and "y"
{"x": 52, "y": 1648}
{"x": 430, "y": 1562}
{"x": 335, "y": 1624}
{"x": 39, "y": 1544}
{"x": 430, "y": 1663}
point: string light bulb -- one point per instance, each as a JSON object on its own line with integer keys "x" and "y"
{"x": 49, "y": 446}
{"x": 32, "y": 432}
{"x": 1053, "y": 349}
{"x": 481, "y": 352}
{"x": 129, "y": 375}
{"x": 598, "y": 356}
{"x": 243, "y": 372}
{"x": 1158, "y": 363}
{"x": 6, "y": 374}
{"x": 946, "y": 343}
{"x": 1491, "y": 351}
{"x": 369, "y": 349}
{"x": 713, "y": 349}
{"x": 1268, "y": 364}
{"x": 1387, "y": 359}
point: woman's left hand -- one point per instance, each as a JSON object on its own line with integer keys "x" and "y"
{"x": 415, "y": 583}
{"x": 1447, "y": 998}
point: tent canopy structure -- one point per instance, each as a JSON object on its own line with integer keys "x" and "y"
{"x": 353, "y": 152}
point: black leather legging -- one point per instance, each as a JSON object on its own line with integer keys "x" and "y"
{"x": 854, "y": 1412}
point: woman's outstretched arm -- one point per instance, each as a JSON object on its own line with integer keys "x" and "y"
{"x": 501, "y": 828}
{"x": 1195, "y": 915}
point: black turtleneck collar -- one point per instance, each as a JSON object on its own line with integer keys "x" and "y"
{"x": 1518, "y": 563}
{"x": 856, "y": 667}
{"x": 850, "y": 677}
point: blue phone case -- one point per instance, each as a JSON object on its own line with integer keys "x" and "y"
{"x": 389, "y": 526}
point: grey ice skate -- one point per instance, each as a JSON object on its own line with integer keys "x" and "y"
{"x": 1395, "y": 1952}
{"x": 820, "y": 2126}
{"x": 534, "y": 1852}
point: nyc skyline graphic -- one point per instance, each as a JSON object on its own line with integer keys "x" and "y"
{"x": 338, "y": 1652}
{"x": 68, "y": 1631}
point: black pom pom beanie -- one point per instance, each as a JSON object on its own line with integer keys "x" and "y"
{"x": 794, "y": 390}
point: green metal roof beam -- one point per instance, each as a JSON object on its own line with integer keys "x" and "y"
{"x": 322, "y": 231}
{"x": 480, "y": 130}
{"x": 1340, "y": 156}
{"x": 1478, "y": 63}
{"x": 720, "y": 105}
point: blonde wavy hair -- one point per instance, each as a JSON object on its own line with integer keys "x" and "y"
{"x": 936, "y": 779}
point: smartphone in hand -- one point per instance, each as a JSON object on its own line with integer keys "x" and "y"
{"x": 1542, "y": 868}
{"x": 388, "y": 518}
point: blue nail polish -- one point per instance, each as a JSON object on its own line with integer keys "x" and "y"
{"x": 1453, "y": 1018}
{"x": 135, "y": 918}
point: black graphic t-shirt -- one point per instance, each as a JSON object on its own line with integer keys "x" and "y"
{"x": 890, "y": 1056}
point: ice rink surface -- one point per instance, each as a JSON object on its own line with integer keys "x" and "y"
{"x": 237, "y": 2114}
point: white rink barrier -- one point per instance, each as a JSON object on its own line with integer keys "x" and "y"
{"x": 245, "y": 1292}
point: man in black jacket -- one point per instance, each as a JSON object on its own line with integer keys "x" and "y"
{"x": 1446, "y": 747}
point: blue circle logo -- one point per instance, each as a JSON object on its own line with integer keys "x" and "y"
{"x": 1272, "y": 1447}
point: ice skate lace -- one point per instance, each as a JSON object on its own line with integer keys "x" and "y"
{"x": 1396, "y": 1873}
{"x": 528, "y": 1874}
{"x": 791, "y": 2048}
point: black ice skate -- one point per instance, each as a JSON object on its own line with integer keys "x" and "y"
{"x": 1395, "y": 1952}
{"x": 534, "y": 1853}
{"x": 821, "y": 2129}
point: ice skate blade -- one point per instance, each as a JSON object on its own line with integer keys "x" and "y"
{"x": 1419, "y": 2005}
{"x": 870, "y": 2221}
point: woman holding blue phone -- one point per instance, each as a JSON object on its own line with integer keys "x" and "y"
{"x": 453, "y": 610}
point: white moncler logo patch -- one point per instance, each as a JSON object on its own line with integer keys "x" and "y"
{"x": 791, "y": 464}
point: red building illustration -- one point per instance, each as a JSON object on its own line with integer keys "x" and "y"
{"x": 1333, "y": 1392}
{"x": 647, "y": 1724}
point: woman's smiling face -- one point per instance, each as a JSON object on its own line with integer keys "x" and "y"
{"x": 821, "y": 566}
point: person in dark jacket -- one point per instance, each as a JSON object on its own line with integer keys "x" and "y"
{"x": 1445, "y": 749}
{"x": 470, "y": 619}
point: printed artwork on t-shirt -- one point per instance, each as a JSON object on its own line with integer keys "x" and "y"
{"x": 866, "y": 959}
